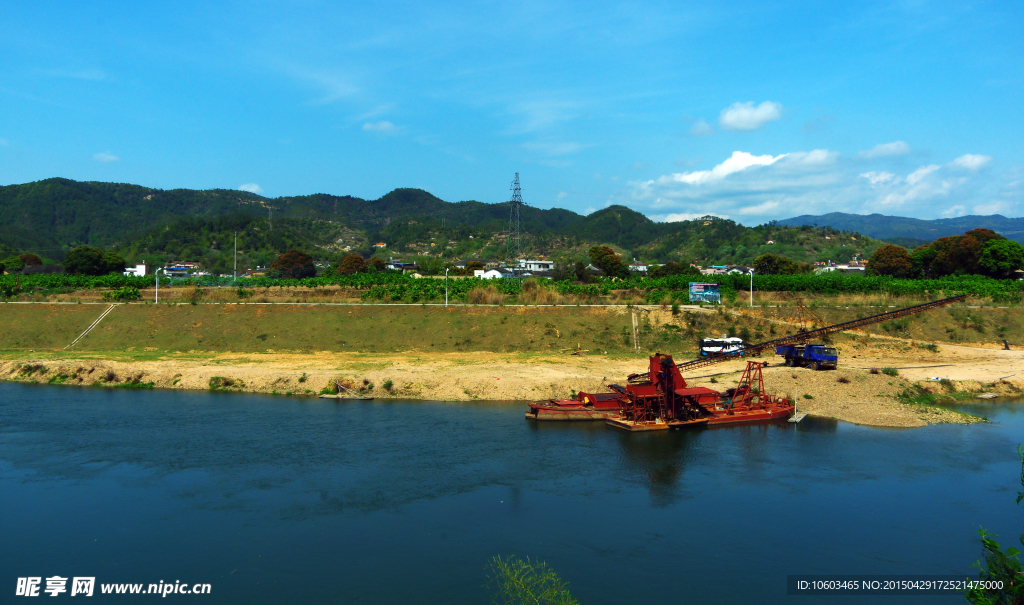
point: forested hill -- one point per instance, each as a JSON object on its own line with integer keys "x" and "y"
{"x": 61, "y": 212}
{"x": 48, "y": 217}
{"x": 911, "y": 231}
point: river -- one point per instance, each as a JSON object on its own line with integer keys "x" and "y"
{"x": 297, "y": 500}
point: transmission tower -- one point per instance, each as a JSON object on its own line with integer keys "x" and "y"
{"x": 514, "y": 242}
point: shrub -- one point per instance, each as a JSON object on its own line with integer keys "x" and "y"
{"x": 875, "y": 371}
{"x": 890, "y": 371}
{"x": 388, "y": 384}
{"x": 124, "y": 294}
{"x": 808, "y": 396}
{"x": 843, "y": 380}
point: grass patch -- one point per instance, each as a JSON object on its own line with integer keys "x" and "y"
{"x": 220, "y": 383}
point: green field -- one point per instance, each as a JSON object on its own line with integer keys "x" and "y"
{"x": 210, "y": 328}
{"x": 262, "y": 328}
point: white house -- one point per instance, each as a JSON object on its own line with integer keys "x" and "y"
{"x": 492, "y": 274}
{"x": 138, "y": 271}
{"x": 535, "y": 265}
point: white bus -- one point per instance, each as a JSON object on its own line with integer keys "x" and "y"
{"x": 715, "y": 346}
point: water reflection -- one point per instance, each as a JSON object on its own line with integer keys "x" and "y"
{"x": 817, "y": 424}
{"x": 660, "y": 460}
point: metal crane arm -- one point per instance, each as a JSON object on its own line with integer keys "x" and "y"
{"x": 821, "y": 332}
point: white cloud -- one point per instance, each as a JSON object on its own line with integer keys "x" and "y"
{"x": 915, "y": 177}
{"x": 884, "y": 150}
{"x": 971, "y": 161}
{"x": 810, "y": 158}
{"x": 105, "y": 157}
{"x": 382, "y": 126}
{"x": 759, "y": 210}
{"x": 561, "y": 195}
{"x": 998, "y": 207}
{"x": 755, "y": 189}
{"x": 541, "y": 115}
{"x": 878, "y": 178}
{"x": 251, "y": 188}
{"x": 686, "y": 216}
{"x": 739, "y": 160}
{"x": 701, "y": 128}
{"x": 747, "y": 116}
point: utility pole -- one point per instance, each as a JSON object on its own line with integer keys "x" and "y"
{"x": 751, "y": 288}
{"x": 234, "y": 273}
{"x": 446, "y": 286}
{"x": 156, "y": 274}
{"x": 514, "y": 245}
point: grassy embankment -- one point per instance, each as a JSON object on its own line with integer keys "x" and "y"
{"x": 393, "y": 351}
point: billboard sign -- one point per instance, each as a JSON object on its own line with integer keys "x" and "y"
{"x": 705, "y": 293}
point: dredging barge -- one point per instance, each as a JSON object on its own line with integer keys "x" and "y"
{"x": 661, "y": 400}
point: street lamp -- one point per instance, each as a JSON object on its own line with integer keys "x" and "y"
{"x": 156, "y": 274}
{"x": 446, "y": 286}
{"x": 751, "y": 288}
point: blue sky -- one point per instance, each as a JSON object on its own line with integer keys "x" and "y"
{"x": 752, "y": 111}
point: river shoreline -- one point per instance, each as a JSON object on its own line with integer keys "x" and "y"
{"x": 853, "y": 393}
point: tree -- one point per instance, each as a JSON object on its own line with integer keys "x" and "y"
{"x": 921, "y": 261}
{"x": 12, "y": 264}
{"x": 773, "y": 264}
{"x": 375, "y": 263}
{"x": 85, "y": 260}
{"x": 579, "y": 271}
{"x": 956, "y": 254}
{"x": 1001, "y": 257}
{"x": 112, "y": 263}
{"x": 605, "y": 259}
{"x": 350, "y": 263}
{"x": 474, "y": 265}
{"x": 890, "y": 260}
{"x": 293, "y": 264}
{"x": 673, "y": 268}
{"x": 30, "y": 259}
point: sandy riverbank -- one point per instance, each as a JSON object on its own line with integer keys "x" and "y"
{"x": 852, "y": 393}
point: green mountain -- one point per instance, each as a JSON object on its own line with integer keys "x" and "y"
{"x": 48, "y": 217}
{"x": 903, "y": 230}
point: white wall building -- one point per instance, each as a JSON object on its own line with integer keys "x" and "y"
{"x": 138, "y": 271}
{"x": 535, "y": 265}
{"x": 492, "y": 274}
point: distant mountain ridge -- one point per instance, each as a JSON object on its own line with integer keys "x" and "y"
{"x": 904, "y": 231}
{"x": 50, "y": 216}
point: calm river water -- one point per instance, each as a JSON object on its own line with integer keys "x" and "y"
{"x": 288, "y": 500}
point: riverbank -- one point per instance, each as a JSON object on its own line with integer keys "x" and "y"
{"x": 492, "y": 353}
{"x": 852, "y": 393}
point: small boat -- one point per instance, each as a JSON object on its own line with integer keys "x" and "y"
{"x": 585, "y": 406}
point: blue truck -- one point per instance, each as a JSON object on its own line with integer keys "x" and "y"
{"x": 818, "y": 357}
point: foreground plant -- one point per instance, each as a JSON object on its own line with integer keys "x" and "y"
{"x": 1001, "y": 567}
{"x": 520, "y": 582}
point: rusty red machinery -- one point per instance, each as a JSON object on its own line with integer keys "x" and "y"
{"x": 660, "y": 399}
